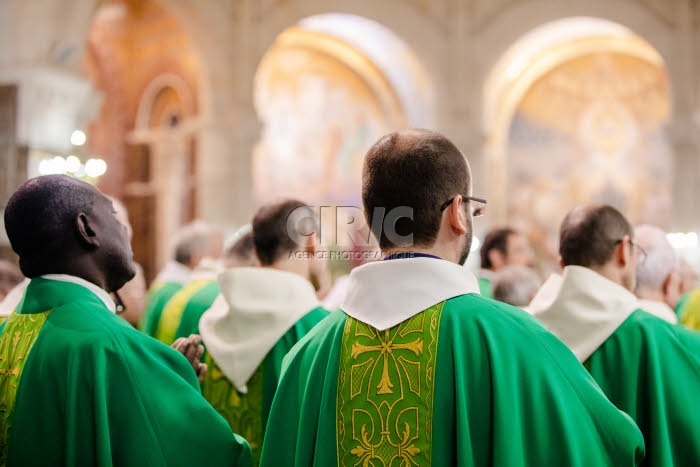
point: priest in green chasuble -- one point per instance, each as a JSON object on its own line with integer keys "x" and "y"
{"x": 181, "y": 315}
{"x": 80, "y": 386}
{"x": 417, "y": 368}
{"x": 648, "y": 367}
{"x": 259, "y": 316}
{"x": 196, "y": 245}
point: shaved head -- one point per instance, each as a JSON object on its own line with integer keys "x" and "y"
{"x": 589, "y": 235}
{"x": 419, "y": 169}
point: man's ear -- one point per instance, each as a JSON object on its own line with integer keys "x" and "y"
{"x": 456, "y": 217}
{"x": 310, "y": 245}
{"x": 86, "y": 232}
{"x": 624, "y": 251}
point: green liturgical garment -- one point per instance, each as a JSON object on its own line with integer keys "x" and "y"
{"x": 485, "y": 288}
{"x": 466, "y": 382}
{"x": 181, "y": 314}
{"x": 247, "y": 413}
{"x": 651, "y": 370}
{"x": 81, "y": 387}
{"x": 158, "y": 297}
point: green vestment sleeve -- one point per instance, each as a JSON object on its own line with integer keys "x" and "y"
{"x": 651, "y": 370}
{"x": 505, "y": 393}
{"x": 158, "y": 297}
{"x": 96, "y": 392}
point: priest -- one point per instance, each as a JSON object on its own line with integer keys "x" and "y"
{"x": 647, "y": 367}
{"x": 194, "y": 243}
{"x": 79, "y": 385}
{"x": 181, "y": 315}
{"x": 261, "y": 313}
{"x": 658, "y": 273}
{"x": 417, "y": 368}
{"x": 502, "y": 247}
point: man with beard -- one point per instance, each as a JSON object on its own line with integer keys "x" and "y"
{"x": 416, "y": 368}
{"x": 79, "y": 385}
{"x": 647, "y": 367}
{"x": 259, "y": 316}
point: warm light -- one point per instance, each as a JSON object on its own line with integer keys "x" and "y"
{"x": 72, "y": 164}
{"x": 95, "y": 167}
{"x": 78, "y": 138}
{"x": 53, "y": 166}
{"x": 476, "y": 243}
{"x": 683, "y": 240}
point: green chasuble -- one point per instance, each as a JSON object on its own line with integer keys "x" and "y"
{"x": 485, "y": 288}
{"x": 158, "y": 297}
{"x": 466, "y": 382}
{"x": 247, "y": 413}
{"x": 81, "y": 387}
{"x": 651, "y": 370}
{"x": 180, "y": 317}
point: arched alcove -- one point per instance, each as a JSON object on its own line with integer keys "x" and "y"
{"x": 325, "y": 90}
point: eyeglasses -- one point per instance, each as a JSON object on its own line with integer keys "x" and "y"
{"x": 478, "y": 210}
{"x": 641, "y": 254}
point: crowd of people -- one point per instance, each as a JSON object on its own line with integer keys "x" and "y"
{"x": 238, "y": 355}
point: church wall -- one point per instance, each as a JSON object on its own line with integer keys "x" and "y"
{"x": 458, "y": 41}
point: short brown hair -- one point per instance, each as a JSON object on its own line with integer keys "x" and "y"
{"x": 589, "y": 234}
{"x": 419, "y": 169}
{"x": 497, "y": 239}
{"x": 270, "y": 236}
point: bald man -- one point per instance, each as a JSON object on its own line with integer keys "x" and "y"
{"x": 416, "y": 368}
{"x": 647, "y": 367}
{"x": 79, "y": 385}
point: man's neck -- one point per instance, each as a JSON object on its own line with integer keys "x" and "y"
{"x": 610, "y": 273}
{"x": 652, "y": 295}
{"x": 295, "y": 266}
{"x": 431, "y": 251}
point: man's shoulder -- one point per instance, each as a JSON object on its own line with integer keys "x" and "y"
{"x": 320, "y": 336}
{"x": 91, "y": 329}
{"x": 473, "y": 308}
{"x": 645, "y": 327}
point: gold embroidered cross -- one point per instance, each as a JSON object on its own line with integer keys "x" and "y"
{"x": 386, "y": 346}
{"x": 9, "y": 366}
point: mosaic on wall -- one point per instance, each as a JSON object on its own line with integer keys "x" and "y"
{"x": 591, "y": 130}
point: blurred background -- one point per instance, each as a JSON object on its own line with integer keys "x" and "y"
{"x": 206, "y": 109}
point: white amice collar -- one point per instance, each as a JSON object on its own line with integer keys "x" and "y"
{"x": 587, "y": 310}
{"x": 386, "y": 293}
{"x": 101, "y": 294}
{"x": 256, "y": 307}
{"x": 659, "y": 309}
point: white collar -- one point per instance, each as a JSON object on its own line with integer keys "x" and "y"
{"x": 386, "y": 293}
{"x": 174, "y": 272}
{"x": 545, "y": 296}
{"x": 207, "y": 269}
{"x": 587, "y": 310}
{"x": 659, "y": 309}
{"x": 101, "y": 294}
{"x": 12, "y": 299}
{"x": 256, "y": 307}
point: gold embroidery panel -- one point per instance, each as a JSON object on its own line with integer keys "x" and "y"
{"x": 384, "y": 407}
{"x": 172, "y": 313}
{"x": 243, "y": 412}
{"x": 16, "y": 341}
